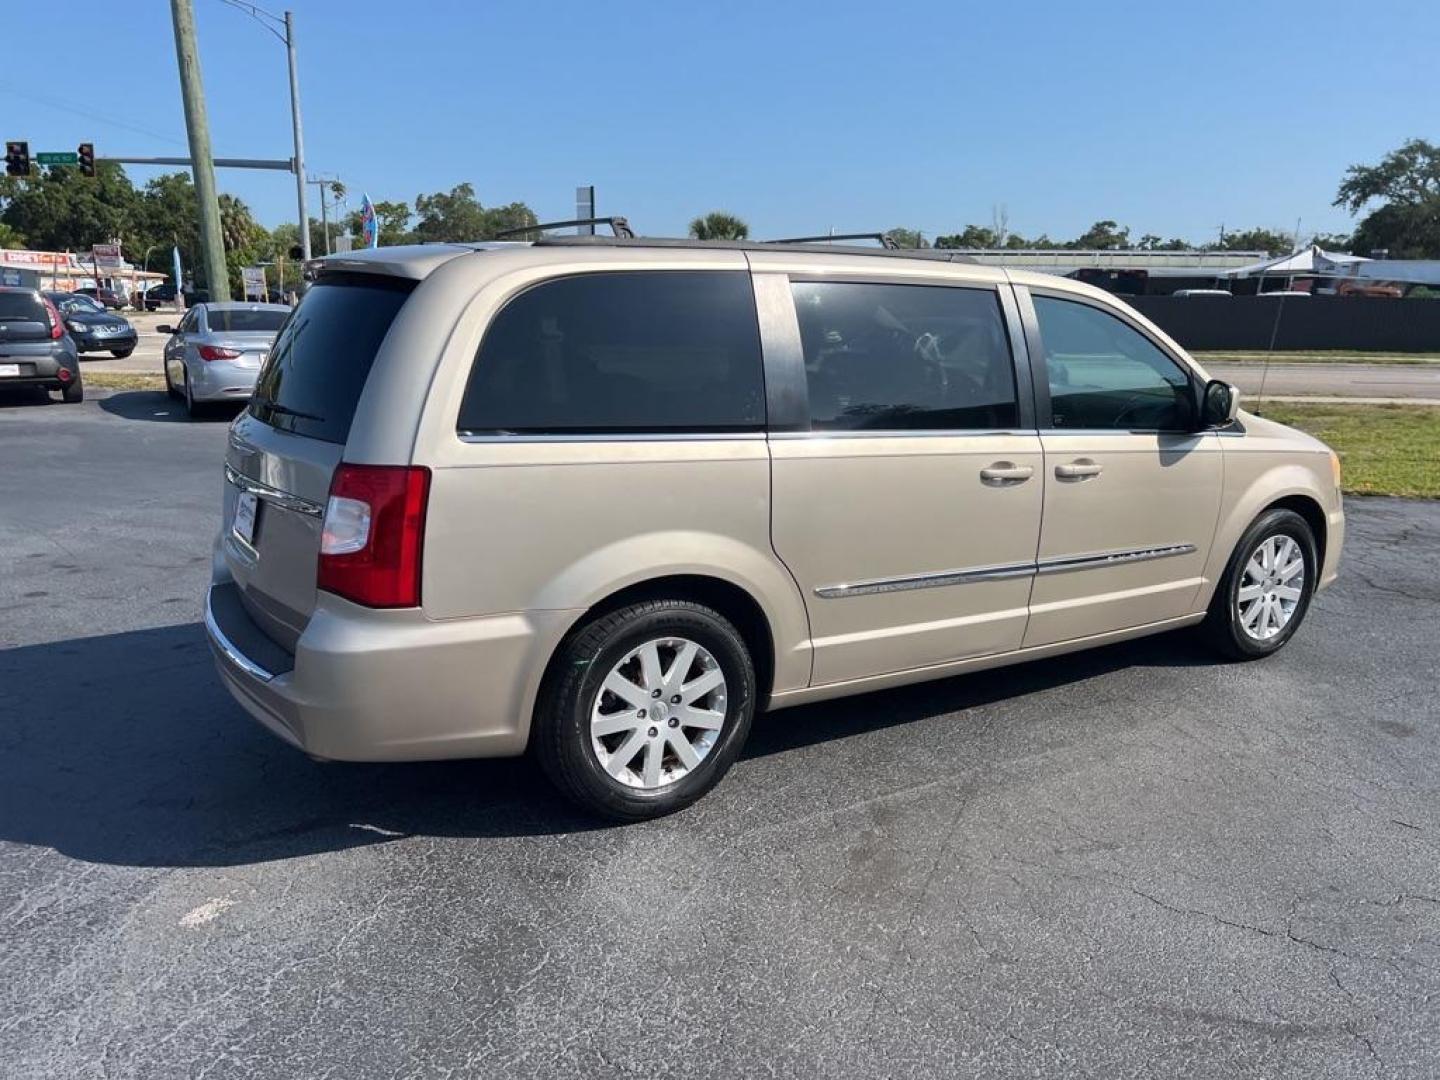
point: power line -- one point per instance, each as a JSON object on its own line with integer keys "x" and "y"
{"x": 55, "y": 103}
{"x": 259, "y": 14}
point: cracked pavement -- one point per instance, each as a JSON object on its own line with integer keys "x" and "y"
{"x": 1131, "y": 862}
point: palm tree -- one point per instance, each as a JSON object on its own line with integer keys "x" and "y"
{"x": 718, "y": 225}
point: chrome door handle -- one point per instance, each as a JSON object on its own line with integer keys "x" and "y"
{"x": 1080, "y": 469}
{"x": 1003, "y": 473}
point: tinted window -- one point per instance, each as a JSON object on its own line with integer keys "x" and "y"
{"x": 245, "y": 320}
{"x": 317, "y": 368}
{"x": 905, "y": 357}
{"x": 1105, "y": 374}
{"x": 22, "y": 305}
{"x": 621, "y": 352}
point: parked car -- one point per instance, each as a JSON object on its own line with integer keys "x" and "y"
{"x": 154, "y": 298}
{"x": 35, "y": 350}
{"x": 216, "y": 350}
{"x": 109, "y": 298}
{"x": 603, "y": 500}
{"x": 93, "y": 328}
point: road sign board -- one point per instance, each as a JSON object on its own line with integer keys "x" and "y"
{"x": 106, "y": 256}
{"x": 253, "y": 278}
{"x": 62, "y": 158}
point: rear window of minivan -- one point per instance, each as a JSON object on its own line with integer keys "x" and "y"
{"x": 312, "y": 380}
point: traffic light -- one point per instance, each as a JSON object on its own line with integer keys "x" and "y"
{"x": 86, "y": 153}
{"x": 17, "y": 159}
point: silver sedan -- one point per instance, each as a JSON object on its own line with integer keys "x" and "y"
{"x": 215, "y": 352}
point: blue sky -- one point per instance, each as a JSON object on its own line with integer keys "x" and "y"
{"x": 1171, "y": 118}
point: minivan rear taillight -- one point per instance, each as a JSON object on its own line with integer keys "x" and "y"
{"x": 373, "y": 534}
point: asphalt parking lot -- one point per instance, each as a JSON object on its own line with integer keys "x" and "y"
{"x": 1133, "y": 862}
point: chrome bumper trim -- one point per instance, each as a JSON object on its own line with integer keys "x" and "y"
{"x": 227, "y": 647}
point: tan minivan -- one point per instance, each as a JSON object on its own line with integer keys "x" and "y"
{"x": 604, "y": 499}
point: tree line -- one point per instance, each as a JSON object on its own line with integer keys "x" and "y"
{"x": 60, "y": 210}
{"x": 1403, "y": 190}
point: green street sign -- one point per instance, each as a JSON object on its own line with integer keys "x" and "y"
{"x": 58, "y": 159}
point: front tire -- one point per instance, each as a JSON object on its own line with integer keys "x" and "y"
{"x": 645, "y": 709}
{"x": 1263, "y": 597}
{"x": 121, "y": 354}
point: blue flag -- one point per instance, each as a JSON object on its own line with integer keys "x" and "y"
{"x": 369, "y": 224}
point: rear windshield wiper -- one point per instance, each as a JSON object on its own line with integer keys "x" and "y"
{"x": 285, "y": 410}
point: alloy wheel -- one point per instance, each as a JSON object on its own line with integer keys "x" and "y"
{"x": 658, "y": 713}
{"x": 1271, "y": 587}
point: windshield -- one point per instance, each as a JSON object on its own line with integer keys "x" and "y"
{"x": 245, "y": 320}
{"x": 77, "y": 303}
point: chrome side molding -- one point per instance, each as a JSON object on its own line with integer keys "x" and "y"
{"x": 934, "y": 580}
{"x": 1057, "y": 565}
{"x": 1111, "y": 558}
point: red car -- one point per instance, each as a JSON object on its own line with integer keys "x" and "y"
{"x": 109, "y": 297}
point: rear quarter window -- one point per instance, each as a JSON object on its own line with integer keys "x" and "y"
{"x": 621, "y": 352}
{"x": 312, "y": 380}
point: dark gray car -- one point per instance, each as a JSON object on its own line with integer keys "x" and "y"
{"x": 35, "y": 350}
{"x": 94, "y": 328}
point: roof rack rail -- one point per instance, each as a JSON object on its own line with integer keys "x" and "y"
{"x": 886, "y": 241}
{"x": 950, "y": 255}
{"x": 618, "y": 225}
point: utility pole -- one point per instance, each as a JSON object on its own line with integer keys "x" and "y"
{"x": 299, "y": 141}
{"x": 197, "y": 128}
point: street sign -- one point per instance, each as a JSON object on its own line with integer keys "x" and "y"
{"x": 62, "y": 158}
{"x": 254, "y": 281}
{"x": 105, "y": 256}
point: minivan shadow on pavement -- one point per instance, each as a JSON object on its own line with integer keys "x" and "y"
{"x": 125, "y": 749}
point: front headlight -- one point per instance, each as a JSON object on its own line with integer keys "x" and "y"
{"x": 76, "y": 328}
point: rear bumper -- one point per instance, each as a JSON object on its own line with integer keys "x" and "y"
{"x": 218, "y": 381}
{"x": 368, "y": 685}
{"x": 41, "y": 365}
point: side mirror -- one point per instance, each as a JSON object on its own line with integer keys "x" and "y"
{"x": 165, "y": 328}
{"x": 1220, "y": 404}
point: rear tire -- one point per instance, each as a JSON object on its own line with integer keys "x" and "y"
{"x": 192, "y": 407}
{"x": 73, "y": 392}
{"x": 1272, "y": 607}
{"x": 583, "y": 730}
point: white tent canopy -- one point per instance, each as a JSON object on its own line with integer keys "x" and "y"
{"x": 1311, "y": 260}
{"x": 1410, "y": 271}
